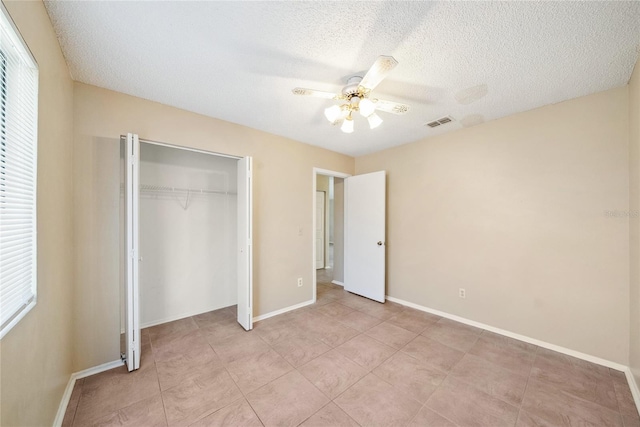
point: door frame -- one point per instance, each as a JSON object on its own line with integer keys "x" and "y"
{"x": 316, "y": 172}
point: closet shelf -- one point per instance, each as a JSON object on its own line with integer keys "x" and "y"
{"x": 157, "y": 189}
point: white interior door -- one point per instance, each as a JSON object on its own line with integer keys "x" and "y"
{"x": 320, "y": 220}
{"x": 364, "y": 270}
{"x": 131, "y": 253}
{"x": 245, "y": 253}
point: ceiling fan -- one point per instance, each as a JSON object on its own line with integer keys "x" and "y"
{"x": 357, "y": 97}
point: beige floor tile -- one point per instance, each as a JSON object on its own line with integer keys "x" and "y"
{"x": 433, "y": 353}
{"x": 333, "y": 333}
{"x": 182, "y": 325}
{"x": 625, "y": 400}
{"x": 334, "y": 309}
{"x": 359, "y": 321}
{"x": 391, "y": 335}
{"x": 410, "y": 376}
{"x": 507, "y": 341}
{"x": 576, "y": 384}
{"x": 525, "y": 419}
{"x": 554, "y": 361}
{"x": 300, "y": 349}
{"x": 169, "y": 346}
{"x": 414, "y": 320}
{"x": 491, "y": 379}
{"x": 374, "y": 402}
{"x": 109, "y": 391}
{"x": 148, "y": 412}
{"x": 196, "y": 398}
{"x": 427, "y": 418}
{"x": 210, "y": 318}
{"x": 366, "y": 351}
{"x": 238, "y": 414}
{"x": 237, "y": 347}
{"x": 509, "y": 357}
{"x": 222, "y": 330}
{"x": 332, "y": 373}
{"x": 287, "y": 401}
{"x": 383, "y": 311}
{"x": 330, "y": 416}
{"x": 630, "y": 421}
{"x": 560, "y": 408}
{"x": 454, "y": 334}
{"x": 465, "y": 405}
{"x": 173, "y": 371}
{"x": 257, "y": 370}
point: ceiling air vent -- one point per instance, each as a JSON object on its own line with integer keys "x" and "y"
{"x": 441, "y": 121}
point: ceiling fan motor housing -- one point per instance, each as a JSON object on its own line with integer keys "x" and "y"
{"x": 351, "y": 89}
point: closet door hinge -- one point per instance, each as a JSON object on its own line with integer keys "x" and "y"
{"x": 132, "y": 160}
{"x": 132, "y": 254}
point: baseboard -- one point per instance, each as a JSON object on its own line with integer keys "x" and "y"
{"x": 283, "y": 310}
{"x": 543, "y": 344}
{"x": 635, "y": 392}
{"x": 336, "y": 282}
{"x": 178, "y": 317}
{"x": 66, "y": 396}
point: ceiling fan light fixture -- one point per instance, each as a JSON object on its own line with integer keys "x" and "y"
{"x": 374, "y": 121}
{"x": 367, "y": 107}
{"x": 347, "y": 125}
{"x": 332, "y": 113}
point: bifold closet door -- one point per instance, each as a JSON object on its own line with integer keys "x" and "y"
{"x": 245, "y": 247}
{"x": 131, "y": 253}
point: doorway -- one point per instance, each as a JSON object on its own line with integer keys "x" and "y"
{"x": 356, "y": 225}
{"x": 328, "y": 220}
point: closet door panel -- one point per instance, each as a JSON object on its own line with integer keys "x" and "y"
{"x": 245, "y": 255}
{"x": 131, "y": 253}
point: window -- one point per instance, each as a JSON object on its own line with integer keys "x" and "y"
{"x": 18, "y": 167}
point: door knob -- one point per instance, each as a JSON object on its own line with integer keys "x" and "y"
{"x": 380, "y": 243}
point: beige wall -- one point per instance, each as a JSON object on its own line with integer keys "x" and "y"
{"x": 634, "y": 222}
{"x": 282, "y": 203}
{"x": 36, "y": 353}
{"x": 514, "y": 212}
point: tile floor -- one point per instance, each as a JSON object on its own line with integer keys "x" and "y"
{"x": 348, "y": 361}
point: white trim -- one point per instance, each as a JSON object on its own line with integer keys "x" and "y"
{"x": 182, "y": 147}
{"x": 66, "y": 396}
{"x": 316, "y": 172}
{"x": 543, "y": 344}
{"x": 179, "y": 316}
{"x": 631, "y": 380}
{"x": 337, "y": 282}
{"x": 283, "y": 310}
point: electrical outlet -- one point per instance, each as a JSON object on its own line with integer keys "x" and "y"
{"x": 299, "y": 281}
{"x": 462, "y": 293}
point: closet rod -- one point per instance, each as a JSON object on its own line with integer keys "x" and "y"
{"x": 146, "y": 188}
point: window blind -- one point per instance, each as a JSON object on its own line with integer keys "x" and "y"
{"x": 18, "y": 169}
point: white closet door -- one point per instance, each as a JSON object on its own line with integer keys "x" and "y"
{"x": 320, "y": 219}
{"x": 364, "y": 254}
{"x": 245, "y": 253}
{"x": 132, "y": 292}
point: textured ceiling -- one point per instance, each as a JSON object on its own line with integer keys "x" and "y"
{"x": 238, "y": 61}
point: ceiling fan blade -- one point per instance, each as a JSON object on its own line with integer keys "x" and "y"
{"x": 390, "y": 106}
{"x": 378, "y": 71}
{"x": 316, "y": 93}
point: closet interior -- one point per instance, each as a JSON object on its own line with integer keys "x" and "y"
{"x": 188, "y": 235}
